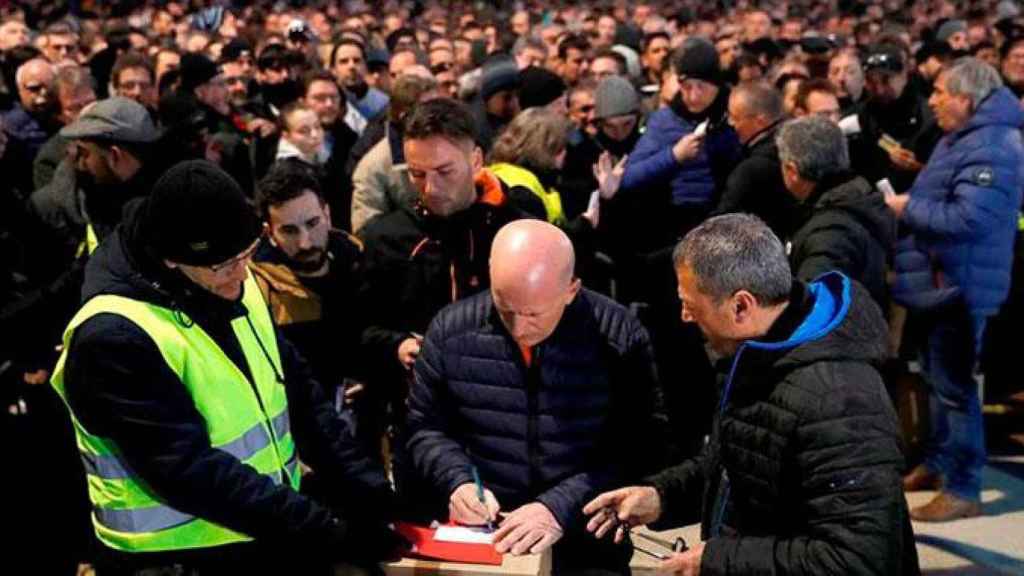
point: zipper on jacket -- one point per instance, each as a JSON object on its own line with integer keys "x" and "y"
{"x": 532, "y": 417}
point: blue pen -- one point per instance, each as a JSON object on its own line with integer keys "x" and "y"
{"x": 480, "y": 495}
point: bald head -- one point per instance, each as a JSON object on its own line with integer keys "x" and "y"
{"x": 531, "y": 254}
{"x": 35, "y": 80}
{"x": 532, "y": 278}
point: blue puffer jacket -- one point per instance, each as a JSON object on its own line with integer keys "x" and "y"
{"x": 963, "y": 213}
{"x": 585, "y": 415}
{"x": 652, "y": 164}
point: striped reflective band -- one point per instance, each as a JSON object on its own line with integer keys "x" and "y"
{"x": 255, "y": 439}
{"x": 136, "y": 520}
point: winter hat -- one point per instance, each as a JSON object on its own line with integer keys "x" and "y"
{"x": 884, "y": 57}
{"x": 633, "y": 68}
{"x": 196, "y": 70}
{"x": 948, "y": 28}
{"x": 197, "y": 215}
{"x": 539, "y": 87}
{"x": 615, "y": 96}
{"x": 499, "y": 73}
{"x": 698, "y": 58}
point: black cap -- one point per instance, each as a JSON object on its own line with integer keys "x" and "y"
{"x": 936, "y": 48}
{"x": 196, "y": 70}
{"x": 539, "y": 87}
{"x": 885, "y": 58}
{"x": 235, "y": 50}
{"x": 197, "y": 215}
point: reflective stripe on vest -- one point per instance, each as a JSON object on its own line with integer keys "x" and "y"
{"x": 246, "y": 419}
{"x": 251, "y": 442}
{"x": 513, "y": 175}
{"x": 89, "y": 244}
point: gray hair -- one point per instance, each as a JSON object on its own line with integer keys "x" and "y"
{"x": 736, "y": 252}
{"x": 815, "y": 145}
{"x": 524, "y": 42}
{"x": 972, "y": 78}
{"x": 760, "y": 99}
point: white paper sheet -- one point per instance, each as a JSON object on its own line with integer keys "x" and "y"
{"x": 464, "y": 534}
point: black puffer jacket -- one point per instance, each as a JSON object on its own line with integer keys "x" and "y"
{"x": 584, "y": 416}
{"x": 755, "y": 186}
{"x": 803, "y": 471}
{"x": 848, "y": 228}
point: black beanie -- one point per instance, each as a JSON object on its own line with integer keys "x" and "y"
{"x": 196, "y": 70}
{"x": 539, "y": 87}
{"x": 697, "y": 58}
{"x": 197, "y": 215}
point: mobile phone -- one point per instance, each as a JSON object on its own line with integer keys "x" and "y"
{"x": 886, "y": 188}
{"x": 702, "y": 128}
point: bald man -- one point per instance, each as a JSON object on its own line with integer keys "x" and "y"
{"x": 33, "y": 120}
{"x": 545, "y": 388}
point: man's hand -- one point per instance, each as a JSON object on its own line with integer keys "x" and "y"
{"x": 688, "y": 147}
{"x": 409, "y": 350}
{"x": 897, "y": 203}
{"x": 464, "y": 506}
{"x": 622, "y": 508}
{"x": 265, "y": 128}
{"x": 683, "y": 563}
{"x": 529, "y": 529}
{"x": 608, "y": 176}
{"x": 904, "y": 160}
{"x": 353, "y": 388}
{"x": 41, "y": 376}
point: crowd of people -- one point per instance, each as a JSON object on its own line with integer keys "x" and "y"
{"x": 276, "y": 275}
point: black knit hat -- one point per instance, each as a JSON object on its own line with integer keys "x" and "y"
{"x": 197, "y": 215}
{"x": 196, "y": 70}
{"x": 697, "y": 58}
{"x": 539, "y": 87}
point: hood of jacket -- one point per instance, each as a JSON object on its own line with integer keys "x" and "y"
{"x": 1000, "y": 108}
{"x": 843, "y": 324}
{"x": 856, "y": 196}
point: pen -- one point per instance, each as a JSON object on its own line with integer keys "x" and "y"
{"x": 480, "y": 495}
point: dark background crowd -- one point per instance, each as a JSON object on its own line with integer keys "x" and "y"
{"x": 625, "y": 124}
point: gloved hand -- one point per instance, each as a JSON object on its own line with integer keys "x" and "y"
{"x": 367, "y": 541}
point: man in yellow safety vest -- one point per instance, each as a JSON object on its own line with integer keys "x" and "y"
{"x": 192, "y": 413}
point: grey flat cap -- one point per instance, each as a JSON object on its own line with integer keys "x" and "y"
{"x": 115, "y": 119}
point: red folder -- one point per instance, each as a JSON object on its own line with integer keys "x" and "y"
{"x": 426, "y": 547}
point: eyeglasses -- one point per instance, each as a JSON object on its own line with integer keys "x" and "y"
{"x": 441, "y": 67}
{"x": 135, "y": 85}
{"x": 240, "y": 259}
{"x": 676, "y": 546}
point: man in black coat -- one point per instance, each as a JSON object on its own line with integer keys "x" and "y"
{"x": 547, "y": 389}
{"x": 419, "y": 260}
{"x": 120, "y": 387}
{"x": 802, "y": 473}
{"x": 847, "y": 226}
{"x": 755, "y": 186}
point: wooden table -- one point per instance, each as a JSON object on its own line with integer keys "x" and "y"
{"x": 532, "y": 565}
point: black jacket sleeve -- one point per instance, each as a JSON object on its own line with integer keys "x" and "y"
{"x": 847, "y": 453}
{"x": 326, "y": 444}
{"x": 681, "y": 489}
{"x": 120, "y": 387}
{"x": 827, "y": 248}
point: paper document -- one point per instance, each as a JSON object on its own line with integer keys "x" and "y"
{"x": 464, "y": 534}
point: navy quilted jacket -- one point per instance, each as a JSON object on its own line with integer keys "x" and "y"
{"x": 585, "y": 416}
{"x": 963, "y": 213}
{"x": 652, "y": 165}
